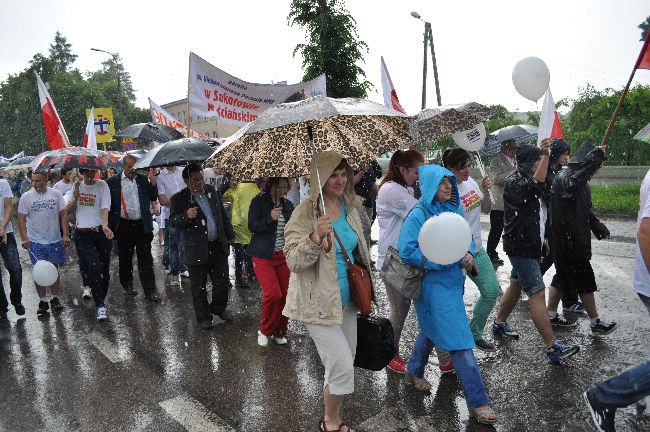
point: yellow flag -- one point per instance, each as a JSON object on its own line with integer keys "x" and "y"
{"x": 104, "y": 125}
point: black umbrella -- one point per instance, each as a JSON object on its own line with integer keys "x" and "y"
{"x": 180, "y": 152}
{"x": 522, "y": 134}
{"x": 73, "y": 157}
{"x": 149, "y": 132}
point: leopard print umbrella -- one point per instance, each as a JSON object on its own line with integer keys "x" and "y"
{"x": 434, "y": 123}
{"x": 278, "y": 143}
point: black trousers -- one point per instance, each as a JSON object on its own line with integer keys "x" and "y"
{"x": 496, "y": 229}
{"x": 95, "y": 254}
{"x": 217, "y": 269}
{"x": 9, "y": 252}
{"x": 131, "y": 237}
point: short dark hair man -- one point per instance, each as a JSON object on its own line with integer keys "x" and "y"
{"x": 197, "y": 210}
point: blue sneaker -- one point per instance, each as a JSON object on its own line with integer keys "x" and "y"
{"x": 558, "y": 352}
{"x": 576, "y": 308}
{"x": 503, "y": 329}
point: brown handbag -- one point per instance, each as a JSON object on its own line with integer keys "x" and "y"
{"x": 360, "y": 283}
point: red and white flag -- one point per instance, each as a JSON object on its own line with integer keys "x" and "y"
{"x": 549, "y": 121}
{"x": 90, "y": 137}
{"x": 390, "y": 96}
{"x": 54, "y": 131}
{"x": 643, "y": 62}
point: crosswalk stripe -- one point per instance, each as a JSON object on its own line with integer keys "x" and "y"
{"x": 108, "y": 348}
{"x": 193, "y": 416}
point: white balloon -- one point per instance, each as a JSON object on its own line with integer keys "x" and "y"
{"x": 446, "y": 238}
{"x": 531, "y": 78}
{"x": 44, "y": 273}
{"x": 472, "y": 139}
{"x": 155, "y": 228}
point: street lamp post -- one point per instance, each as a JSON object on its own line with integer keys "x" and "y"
{"x": 428, "y": 37}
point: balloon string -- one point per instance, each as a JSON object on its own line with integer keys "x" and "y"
{"x": 32, "y": 253}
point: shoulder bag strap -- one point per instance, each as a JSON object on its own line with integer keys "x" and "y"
{"x": 345, "y": 254}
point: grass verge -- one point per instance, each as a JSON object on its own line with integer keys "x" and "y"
{"x": 616, "y": 199}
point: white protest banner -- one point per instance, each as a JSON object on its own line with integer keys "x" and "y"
{"x": 160, "y": 116}
{"x": 215, "y": 93}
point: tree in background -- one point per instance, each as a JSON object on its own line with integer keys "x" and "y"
{"x": 332, "y": 46}
{"x": 61, "y": 54}
{"x": 72, "y": 92}
{"x": 644, "y": 26}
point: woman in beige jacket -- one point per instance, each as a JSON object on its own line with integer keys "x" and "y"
{"x": 318, "y": 286}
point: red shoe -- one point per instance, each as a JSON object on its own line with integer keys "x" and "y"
{"x": 397, "y": 365}
{"x": 447, "y": 368}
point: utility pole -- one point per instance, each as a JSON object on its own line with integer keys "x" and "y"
{"x": 428, "y": 43}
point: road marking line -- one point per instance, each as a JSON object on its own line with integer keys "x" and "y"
{"x": 106, "y": 347}
{"x": 193, "y": 416}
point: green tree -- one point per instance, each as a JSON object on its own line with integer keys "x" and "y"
{"x": 589, "y": 117}
{"x": 644, "y": 27}
{"x": 332, "y": 48}
{"x": 61, "y": 53}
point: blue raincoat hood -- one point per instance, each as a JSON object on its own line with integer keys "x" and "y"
{"x": 430, "y": 178}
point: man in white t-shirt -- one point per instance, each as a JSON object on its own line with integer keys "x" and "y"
{"x": 170, "y": 181}
{"x": 65, "y": 184}
{"x": 41, "y": 220}
{"x": 9, "y": 252}
{"x": 634, "y": 384}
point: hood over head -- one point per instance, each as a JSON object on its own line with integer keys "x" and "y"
{"x": 430, "y": 178}
{"x": 527, "y": 155}
{"x": 326, "y": 162}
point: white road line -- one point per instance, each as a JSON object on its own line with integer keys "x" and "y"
{"x": 108, "y": 348}
{"x": 193, "y": 416}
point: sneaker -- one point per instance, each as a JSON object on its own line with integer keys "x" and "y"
{"x": 261, "y": 339}
{"x": 560, "y": 321}
{"x": 558, "y": 352}
{"x": 43, "y": 308}
{"x": 279, "y": 340}
{"x": 576, "y": 308}
{"x": 397, "y": 365}
{"x": 447, "y": 368}
{"x": 20, "y": 309}
{"x": 101, "y": 313}
{"x": 167, "y": 270}
{"x": 206, "y": 324}
{"x": 56, "y": 305}
{"x": 87, "y": 293}
{"x": 484, "y": 345}
{"x": 185, "y": 274}
{"x": 603, "y": 328}
{"x": 503, "y": 329}
{"x": 603, "y": 418}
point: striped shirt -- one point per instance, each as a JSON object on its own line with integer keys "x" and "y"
{"x": 279, "y": 233}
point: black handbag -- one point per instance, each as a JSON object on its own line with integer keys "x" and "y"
{"x": 375, "y": 343}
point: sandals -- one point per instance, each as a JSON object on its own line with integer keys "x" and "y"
{"x": 420, "y": 384}
{"x": 323, "y": 428}
{"x": 485, "y": 416}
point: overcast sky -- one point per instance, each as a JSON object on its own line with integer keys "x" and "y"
{"x": 477, "y": 43}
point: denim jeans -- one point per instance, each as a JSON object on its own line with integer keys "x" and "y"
{"x": 465, "y": 364}
{"x": 9, "y": 252}
{"x": 628, "y": 387}
{"x": 176, "y": 257}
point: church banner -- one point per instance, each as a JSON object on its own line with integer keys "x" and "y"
{"x": 104, "y": 124}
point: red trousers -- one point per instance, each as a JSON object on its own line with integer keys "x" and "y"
{"x": 273, "y": 276}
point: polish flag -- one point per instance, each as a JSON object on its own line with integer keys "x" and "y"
{"x": 643, "y": 62}
{"x": 390, "y": 96}
{"x": 90, "y": 137}
{"x": 54, "y": 131}
{"x": 549, "y": 121}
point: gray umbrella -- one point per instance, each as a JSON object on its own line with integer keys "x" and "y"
{"x": 179, "y": 152}
{"x": 522, "y": 134}
{"x": 149, "y": 132}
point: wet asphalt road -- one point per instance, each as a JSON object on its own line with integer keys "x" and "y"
{"x": 150, "y": 368}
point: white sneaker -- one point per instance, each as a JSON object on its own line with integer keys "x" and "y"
{"x": 101, "y": 313}
{"x": 167, "y": 270}
{"x": 261, "y": 339}
{"x": 87, "y": 293}
{"x": 185, "y": 274}
{"x": 279, "y": 340}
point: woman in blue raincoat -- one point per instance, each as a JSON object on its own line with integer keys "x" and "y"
{"x": 440, "y": 309}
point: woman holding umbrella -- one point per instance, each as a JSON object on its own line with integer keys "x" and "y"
{"x": 319, "y": 294}
{"x": 91, "y": 201}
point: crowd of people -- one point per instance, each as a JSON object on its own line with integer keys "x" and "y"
{"x": 292, "y": 237}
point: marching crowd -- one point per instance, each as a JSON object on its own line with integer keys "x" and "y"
{"x": 294, "y": 237}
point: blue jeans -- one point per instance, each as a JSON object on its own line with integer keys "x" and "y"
{"x": 9, "y": 252}
{"x": 628, "y": 387}
{"x": 465, "y": 364}
{"x": 174, "y": 237}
